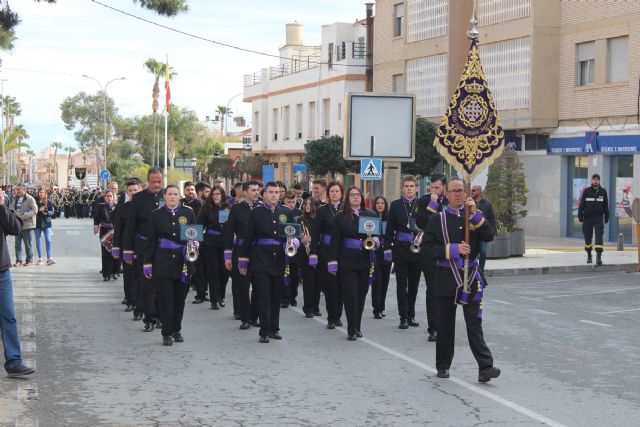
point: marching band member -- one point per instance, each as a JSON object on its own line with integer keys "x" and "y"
{"x": 383, "y": 272}
{"x": 310, "y": 286}
{"x": 165, "y": 262}
{"x": 103, "y": 224}
{"x": 290, "y": 291}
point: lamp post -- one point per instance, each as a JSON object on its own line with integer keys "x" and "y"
{"x": 4, "y": 163}
{"x": 227, "y": 109}
{"x": 104, "y": 114}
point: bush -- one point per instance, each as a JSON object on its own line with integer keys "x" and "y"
{"x": 507, "y": 190}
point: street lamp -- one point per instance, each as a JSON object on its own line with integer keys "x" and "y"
{"x": 104, "y": 113}
{"x": 227, "y": 109}
{"x": 4, "y": 163}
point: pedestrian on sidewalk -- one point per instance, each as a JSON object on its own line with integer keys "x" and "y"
{"x": 593, "y": 213}
{"x": 9, "y": 225}
{"x": 46, "y": 212}
{"x": 26, "y": 209}
{"x": 487, "y": 210}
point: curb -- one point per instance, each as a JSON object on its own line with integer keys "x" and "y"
{"x": 561, "y": 269}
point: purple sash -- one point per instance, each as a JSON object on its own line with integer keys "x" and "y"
{"x": 214, "y": 232}
{"x": 404, "y": 237}
{"x": 349, "y": 243}
{"x": 170, "y": 244}
{"x": 326, "y": 239}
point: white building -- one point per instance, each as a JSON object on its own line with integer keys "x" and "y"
{"x": 303, "y": 97}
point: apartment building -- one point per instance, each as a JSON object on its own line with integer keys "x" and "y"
{"x": 302, "y": 98}
{"x": 558, "y": 70}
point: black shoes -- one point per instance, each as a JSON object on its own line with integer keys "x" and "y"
{"x": 433, "y": 337}
{"x": 255, "y": 323}
{"x": 284, "y": 305}
{"x": 158, "y": 324}
{"x": 331, "y": 325}
{"x": 264, "y": 340}
{"x": 214, "y": 306}
{"x": 106, "y": 278}
{"x": 167, "y": 341}
{"x": 443, "y": 373}
{"x": 125, "y": 302}
{"x": 377, "y": 315}
{"x": 148, "y": 327}
{"x": 137, "y": 317}
{"x": 294, "y": 303}
{"x": 339, "y": 323}
{"x": 236, "y": 316}
{"x": 351, "y": 337}
{"x": 309, "y": 315}
{"x": 486, "y": 375}
{"x": 20, "y": 370}
{"x": 598, "y": 259}
{"x": 589, "y": 258}
{"x": 358, "y": 334}
{"x": 275, "y": 336}
{"x": 412, "y": 322}
{"x": 403, "y": 324}
{"x": 129, "y": 308}
{"x": 244, "y": 326}
{"x": 317, "y": 313}
{"x": 197, "y": 300}
{"x": 222, "y": 304}
{"x": 177, "y": 337}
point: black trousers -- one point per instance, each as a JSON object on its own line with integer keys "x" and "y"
{"x": 109, "y": 265}
{"x": 224, "y": 280}
{"x": 354, "y": 293}
{"x": 446, "y": 309}
{"x": 330, "y": 285}
{"x": 268, "y": 290}
{"x": 407, "y": 280}
{"x": 290, "y": 291}
{"x": 430, "y": 277}
{"x": 240, "y": 287}
{"x": 588, "y": 226}
{"x": 380, "y": 287}
{"x": 129, "y": 279}
{"x": 171, "y": 296}
{"x": 310, "y": 289}
{"x": 214, "y": 270}
{"x": 198, "y": 278}
{"x": 146, "y": 293}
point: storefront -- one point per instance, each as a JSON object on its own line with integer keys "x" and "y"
{"x": 616, "y": 158}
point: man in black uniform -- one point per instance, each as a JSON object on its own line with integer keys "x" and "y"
{"x": 290, "y": 292}
{"x": 233, "y": 231}
{"x": 594, "y": 206}
{"x": 130, "y": 277}
{"x": 399, "y": 235}
{"x": 429, "y": 204}
{"x": 262, "y": 251}
{"x": 444, "y": 242}
{"x": 134, "y": 240}
{"x": 192, "y": 201}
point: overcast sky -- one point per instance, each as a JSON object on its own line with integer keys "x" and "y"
{"x": 59, "y": 43}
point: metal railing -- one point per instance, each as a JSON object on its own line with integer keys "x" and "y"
{"x": 359, "y": 50}
{"x": 252, "y": 79}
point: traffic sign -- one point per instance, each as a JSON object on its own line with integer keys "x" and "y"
{"x": 371, "y": 169}
{"x": 105, "y": 174}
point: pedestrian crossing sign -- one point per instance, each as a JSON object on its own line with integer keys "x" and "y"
{"x": 371, "y": 169}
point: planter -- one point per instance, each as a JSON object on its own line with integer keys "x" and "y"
{"x": 517, "y": 243}
{"x": 500, "y": 247}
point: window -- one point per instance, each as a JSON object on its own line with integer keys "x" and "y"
{"x": 535, "y": 142}
{"x": 330, "y": 59}
{"x": 427, "y": 19}
{"x": 311, "y": 133}
{"x": 341, "y": 52}
{"x": 256, "y": 124}
{"x": 586, "y": 53}
{"x": 326, "y": 116}
{"x": 275, "y": 124}
{"x": 398, "y": 19}
{"x": 618, "y": 59}
{"x": 298, "y": 121}
{"x": 427, "y": 79}
{"x": 286, "y": 120}
{"x": 496, "y": 11}
{"x": 397, "y": 83}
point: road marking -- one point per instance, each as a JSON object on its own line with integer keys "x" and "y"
{"x": 593, "y": 293}
{"x": 499, "y": 301}
{"x": 617, "y": 311}
{"x": 537, "y": 310}
{"x": 594, "y": 323}
{"x": 473, "y": 388}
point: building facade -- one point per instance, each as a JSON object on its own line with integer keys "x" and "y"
{"x": 562, "y": 74}
{"x": 303, "y": 97}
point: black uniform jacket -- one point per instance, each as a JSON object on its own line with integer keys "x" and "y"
{"x": 263, "y": 224}
{"x": 195, "y": 204}
{"x": 165, "y": 224}
{"x": 348, "y": 258}
{"x": 235, "y": 227}
{"x": 436, "y": 249}
{"x": 426, "y": 209}
{"x": 105, "y": 214}
{"x": 401, "y": 212}
{"x": 593, "y": 203}
{"x": 213, "y": 230}
{"x": 122, "y": 213}
{"x": 135, "y": 232}
{"x": 323, "y": 226}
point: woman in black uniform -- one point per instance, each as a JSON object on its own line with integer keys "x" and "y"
{"x": 310, "y": 286}
{"x": 353, "y": 264}
{"x": 212, "y": 249}
{"x": 103, "y": 224}
{"x": 383, "y": 272}
{"x": 165, "y": 263}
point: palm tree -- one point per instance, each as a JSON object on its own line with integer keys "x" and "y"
{"x": 6, "y": 39}
{"x": 56, "y": 145}
{"x": 49, "y": 167}
{"x": 158, "y": 69}
{"x": 31, "y": 153}
{"x": 11, "y": 109}
{"x": 69, "y": 149}
{"x": 223, "y": 112}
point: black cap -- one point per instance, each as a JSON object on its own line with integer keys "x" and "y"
{"x": 595, "y": 175}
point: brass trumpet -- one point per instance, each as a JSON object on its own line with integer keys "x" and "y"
{"x": 307, "y": 245}
{"x": 192, "y": 251}
{"x": 417, "y": 241}
{"x": 369, "y": 244}
{"x": 290, "y": 250}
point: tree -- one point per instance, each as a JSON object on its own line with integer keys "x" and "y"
{"x": 427, "y": 158}
{"x": 31, "y": 154}
{"x": 125, "y": 159}
{"x": 11, "y": 108}
{"x": 56, "y": 146}
{"x": 251, "y": 166}
{"x": 158, "y": 69}
{"x": 220, "y": 167}
{"x": 223, "y": 112}
{"x": 507, "y": 190}
{"x": 184, "y": 128}
{"x": 69, "y": 149}
{"x": 164, "y": 7}
{"x": 324, "y": 156}
{"x": 84, "y": 114}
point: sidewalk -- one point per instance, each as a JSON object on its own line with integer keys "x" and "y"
{"x": 561, "y": 255}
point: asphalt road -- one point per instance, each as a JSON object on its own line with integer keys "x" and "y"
{"x": 568, "y": 347}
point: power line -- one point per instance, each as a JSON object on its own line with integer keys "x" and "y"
{"x": 227, "y": 45}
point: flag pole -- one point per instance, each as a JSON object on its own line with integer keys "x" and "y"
{"x": 166, "y": 119}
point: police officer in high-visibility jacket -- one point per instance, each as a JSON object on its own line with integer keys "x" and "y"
{"x": 593, "y": 212}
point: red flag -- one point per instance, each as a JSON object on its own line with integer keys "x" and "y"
{"x": 167, "y": 89}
